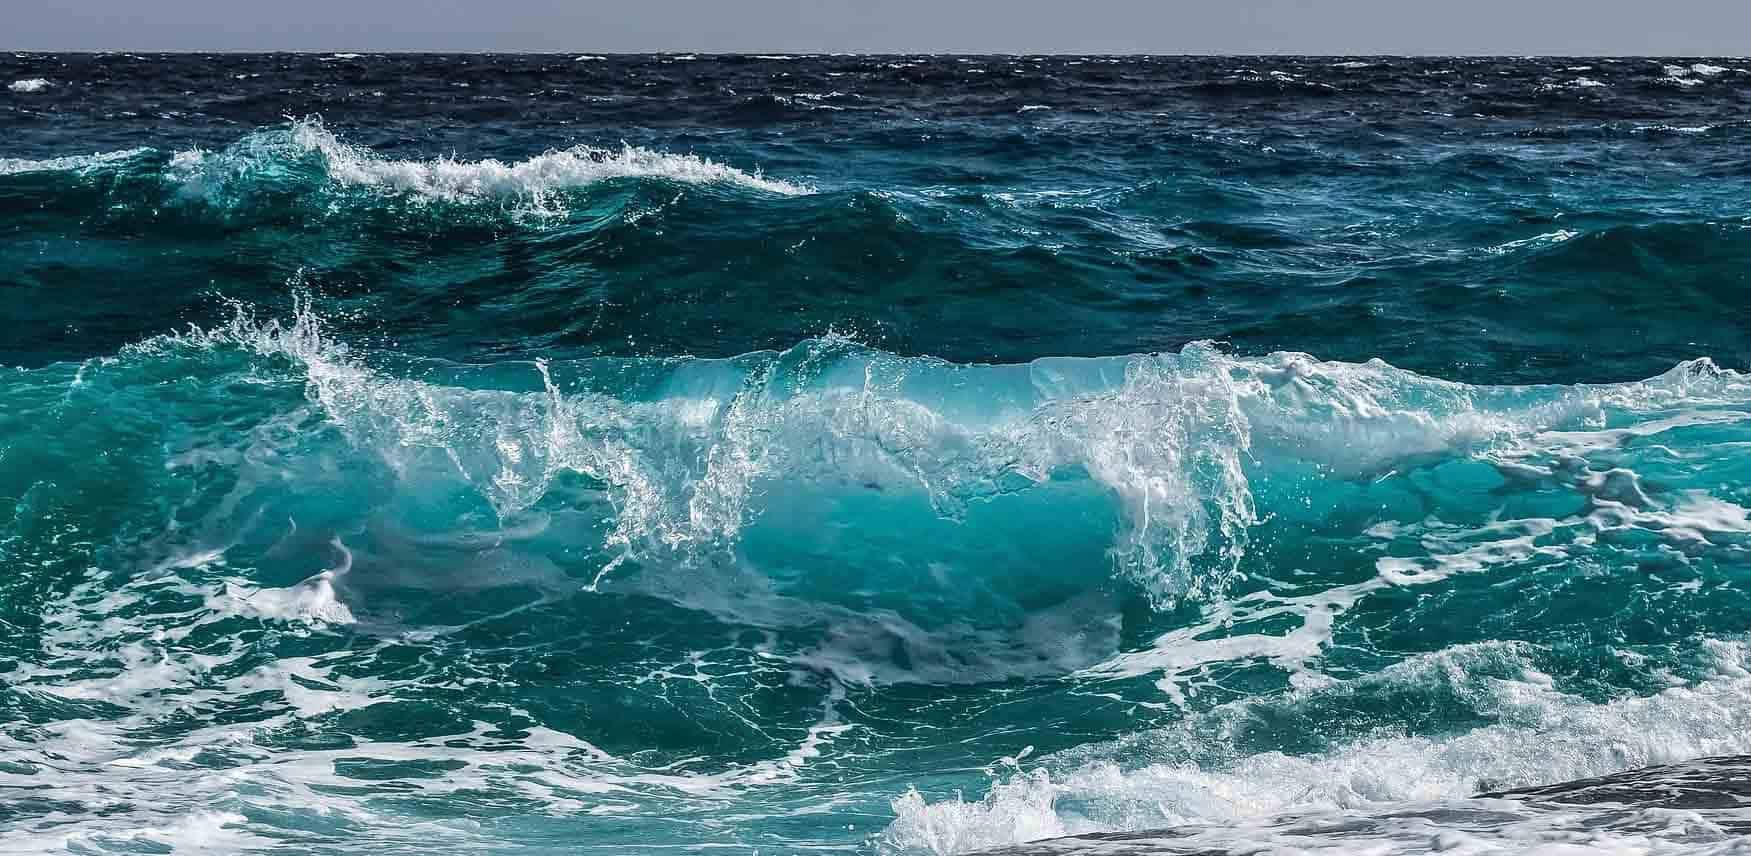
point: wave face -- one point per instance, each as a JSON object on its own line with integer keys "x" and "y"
{"x": 776, "y": 455}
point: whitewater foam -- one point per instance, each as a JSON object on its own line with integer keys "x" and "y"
{"x": 310, "y": 601}
{"x": 1681, "y": 75}
{"x": 1543, "y": 240}
{"x": 28, "y": 85}
{"x": 202, "y": 783}
{"x": 1258, "y": 801}
{"x": 1577, "y": 83}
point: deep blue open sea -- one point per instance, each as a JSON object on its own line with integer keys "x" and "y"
{"x": 885, "y": 455}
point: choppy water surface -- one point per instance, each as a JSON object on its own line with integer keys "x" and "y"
{"x": 887, "y": 455}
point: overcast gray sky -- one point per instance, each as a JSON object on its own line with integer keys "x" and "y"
{"x": 1711, "y": 27}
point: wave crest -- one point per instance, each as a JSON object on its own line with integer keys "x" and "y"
{"x": 305, "y": 157}
{"x": 531, "y": 183}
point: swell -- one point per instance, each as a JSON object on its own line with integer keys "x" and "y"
{"x": 461, "y": 536}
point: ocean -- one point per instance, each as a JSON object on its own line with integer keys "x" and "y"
{"x": 890, "y": 455}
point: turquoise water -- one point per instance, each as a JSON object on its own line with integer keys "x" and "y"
{"x": 637, "y": 455}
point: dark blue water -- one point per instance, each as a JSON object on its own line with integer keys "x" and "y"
{"x": 552, "y": 454}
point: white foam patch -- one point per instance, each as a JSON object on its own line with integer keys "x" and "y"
{"x": 28, "y": 85}
{"x": 312, "y": 601}
{"x": 1680, "y": 75}
{"x": 1547, "y": 239}
{"x": 1179, "y": 654}
{"x": 1575, "y": 84}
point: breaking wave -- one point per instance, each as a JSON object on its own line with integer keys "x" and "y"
{"x": 1189, "y": 450}
{"x": 306, "y": 157}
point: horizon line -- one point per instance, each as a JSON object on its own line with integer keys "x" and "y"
{"x": 774, "y": 54}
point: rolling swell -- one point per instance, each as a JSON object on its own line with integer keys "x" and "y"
{"x": 1199, "y": 256}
